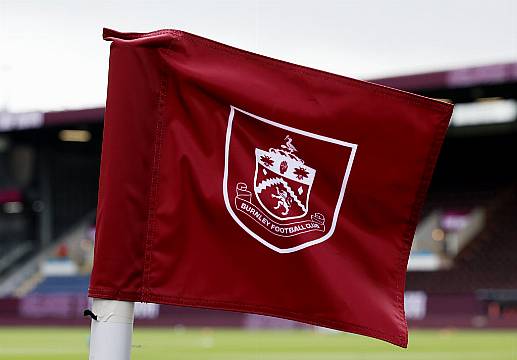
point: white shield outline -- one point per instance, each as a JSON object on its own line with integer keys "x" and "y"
{"x": 227, "y": 202}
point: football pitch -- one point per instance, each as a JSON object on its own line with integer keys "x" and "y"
{"x": 204, "y": 344}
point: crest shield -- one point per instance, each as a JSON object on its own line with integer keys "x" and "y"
{"x": 291, "y": 206}
{"x": 282, "y": 183}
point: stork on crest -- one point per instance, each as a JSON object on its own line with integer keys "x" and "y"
{"x": 289, "y": 147}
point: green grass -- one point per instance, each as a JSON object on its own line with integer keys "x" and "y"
{"x": 72, "y": 343}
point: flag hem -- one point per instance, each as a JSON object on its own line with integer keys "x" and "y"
{"x": 172, "y": 35}
{"x": 111, "y": 294}
{"x": 421, "y": 193}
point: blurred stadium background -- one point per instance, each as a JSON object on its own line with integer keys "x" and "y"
{"x": 461, "y": 298}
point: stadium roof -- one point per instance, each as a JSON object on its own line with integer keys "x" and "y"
{"x": 442, "y": 80}
{"x": 458, "y": 78}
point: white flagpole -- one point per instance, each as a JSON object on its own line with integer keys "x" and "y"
{"x": 112, "y": 332}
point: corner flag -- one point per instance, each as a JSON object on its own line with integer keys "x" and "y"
{"x": 234, "y": 181}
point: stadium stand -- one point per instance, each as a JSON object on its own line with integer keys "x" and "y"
{"x": 49, "y": 183}
{"x": 489, "y": 260}
{"x": 63, "y": 284}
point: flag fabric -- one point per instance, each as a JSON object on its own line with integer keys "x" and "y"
{"x": 234, "y": 181}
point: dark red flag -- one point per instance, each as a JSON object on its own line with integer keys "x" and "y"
{"x": 234, "y": 181}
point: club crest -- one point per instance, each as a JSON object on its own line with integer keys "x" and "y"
{"x": 283, "y": 181}
{"x": 273, "y": 191}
